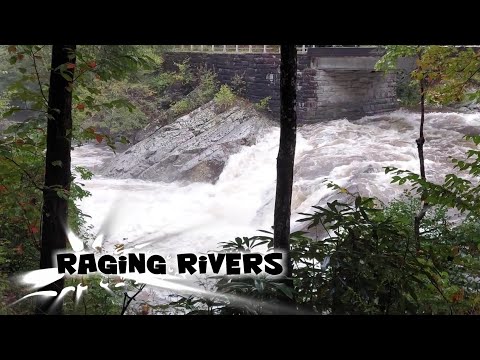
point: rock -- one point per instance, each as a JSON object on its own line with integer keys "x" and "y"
{"x": 194, "y": 148}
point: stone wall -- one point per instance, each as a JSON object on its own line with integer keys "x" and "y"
{"x": 321, "y": 94}
{"x": 349, "y": 94}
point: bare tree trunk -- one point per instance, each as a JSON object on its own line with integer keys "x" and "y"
{"x": 57, "y": 172}
{"x": 286, "y": 152}
{"x": 420, "y": 141}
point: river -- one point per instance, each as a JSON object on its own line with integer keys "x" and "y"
{"x": 174, "y": 218}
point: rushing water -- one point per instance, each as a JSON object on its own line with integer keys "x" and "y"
{"x": 170, "y": 218}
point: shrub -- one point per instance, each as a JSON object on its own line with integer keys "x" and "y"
{"x": 201, "y": 94}
{"x": 182, "y": 107}
{"x": 263, "y": 105}
{"x": 184, "y": 74}
{"x": 208, "y": 85}
{"x": 408, "y": 91}
{"x": 225, "y": 98}
{"x": 164, "y": 80}
{"x": 238, "y": 84}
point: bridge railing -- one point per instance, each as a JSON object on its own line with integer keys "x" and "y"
{"x": 272, "y": 49}
{"x": 275, "y": 49}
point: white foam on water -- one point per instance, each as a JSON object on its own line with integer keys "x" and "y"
{"x": 176, "y": 218}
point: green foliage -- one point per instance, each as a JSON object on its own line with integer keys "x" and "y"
{"x": 373, "y": 266}
{"x": 115, "y": 62}
{"x": 238, "y": 84}
{"x": 22, "y": 165}
{"x": 141, "y": 98}
{"x": 201, "y": 94}
{"x": 184, "y": 74}
{"x": 389, "y": 60}
{"x": 122, "y": 116}
{"x": 76, "y": 217}
{"x": 25, "y": 77}
{"x": 183, "y": 106}
{"x": 225, "y": 98}
{"x": 164, "y": 80}
{"x": 207, "y": 87}
{"x": 22, "y": 145}
{"x": 21, "y": 174}
{"x": 246, "y": 244}
{"x": 263, "y": 104}
{"x": 102, "y": 76}
{"x": 21, "y": 181}
{"x": 96, "y": 300}
{"x": 408, "y": 91}
{"x": 448, "y": 72}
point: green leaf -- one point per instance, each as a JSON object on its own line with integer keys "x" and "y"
{"x": 66, "y": 76}
{"x": 57, "y": 163}
{"x": 285, "y": 290}
{"x": 10, "y": 112}
{"x": 124, "y": 140}
{"x": 62, "y": 194}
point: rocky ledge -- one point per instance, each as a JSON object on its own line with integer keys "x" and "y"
{"x": 194, "y": 148}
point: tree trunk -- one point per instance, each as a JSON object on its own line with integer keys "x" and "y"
{"x": 420, "y": 141}
{"x": 286, "y": 152}
{"x": 57, "y": 172}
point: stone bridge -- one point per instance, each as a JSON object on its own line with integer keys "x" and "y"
{"x": 332, "y": 83}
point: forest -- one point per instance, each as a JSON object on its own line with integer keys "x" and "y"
{"x": 105, "y": 149}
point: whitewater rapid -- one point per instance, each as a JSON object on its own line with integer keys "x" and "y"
{"x": 173, "y": 218}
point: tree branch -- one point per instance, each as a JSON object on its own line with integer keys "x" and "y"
{"x": 38, "y": 78}
{"x": 468, "y": 79}
{"x": 25, "y": 172}
{"x": 130, "y": 299}
{"x": 80, "y": 74}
